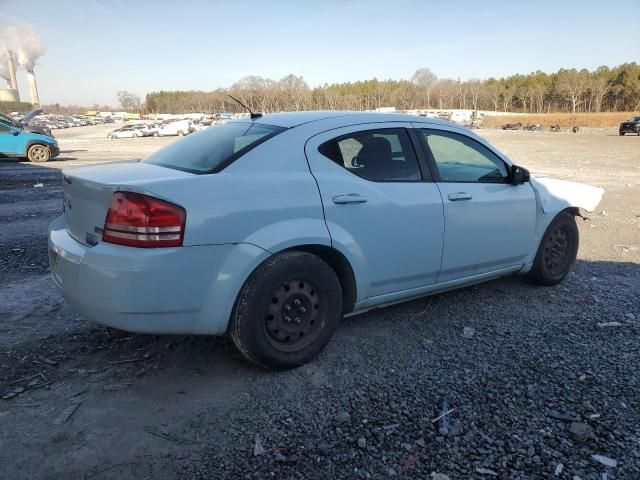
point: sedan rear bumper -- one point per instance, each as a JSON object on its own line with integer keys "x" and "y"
{"x": 184, "y": 290}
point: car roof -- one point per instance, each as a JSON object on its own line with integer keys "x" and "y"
{"x": 294, "y": 119}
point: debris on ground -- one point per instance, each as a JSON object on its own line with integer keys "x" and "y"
{"x": 258, "y": 449}
{"x": 609, "y": 324}
{"x": 468, "y": 332}
{"x": 66, "y": 413}
{"x": 486, "y": 471}
{"x": 606, "y": 461}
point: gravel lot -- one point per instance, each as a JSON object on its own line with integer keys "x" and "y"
{"x": 537, "y": 382}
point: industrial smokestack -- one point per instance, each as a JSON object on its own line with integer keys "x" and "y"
{"x": 33, "y": 87}
{"x": 12, "y": 71}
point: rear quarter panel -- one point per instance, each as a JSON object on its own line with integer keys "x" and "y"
{"x": 267, "y": 198}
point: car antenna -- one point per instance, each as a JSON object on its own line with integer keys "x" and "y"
{"x": 253, "y": 115}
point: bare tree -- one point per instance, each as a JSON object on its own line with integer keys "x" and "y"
{"x": 424, "y": 79}
{"x": 572, "y": 84}
{"x": 128, "y": 101}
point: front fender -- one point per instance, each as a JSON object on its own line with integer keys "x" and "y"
{"x": 556, "y": 195}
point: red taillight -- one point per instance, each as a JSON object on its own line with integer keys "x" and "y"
{"x": 138, "y": 220}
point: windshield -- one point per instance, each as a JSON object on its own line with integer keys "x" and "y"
{"x": 213, "y": 149}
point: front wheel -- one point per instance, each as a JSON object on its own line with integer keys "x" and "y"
{"x": 38, "y": 153}
{"x": 287, "y": 311}
{"x": 557, "y": 251}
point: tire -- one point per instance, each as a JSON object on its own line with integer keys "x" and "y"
{"x": 557, "y": 251}
{"x": 156, "y": 134}
{"x": 181, "y": 133}
{"x": 135, "y": 135}
{"x": 38, "y": 153}
{"x": 622, "y": 134}
{"x": 112, "y": 137}
{"x": 287, "y": 311}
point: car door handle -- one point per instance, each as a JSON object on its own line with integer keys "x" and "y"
{"x": 349, "y": 198}
{"x": 456, "y": 197}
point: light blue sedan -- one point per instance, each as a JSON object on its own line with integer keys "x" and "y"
{"x": 275, "y": 227}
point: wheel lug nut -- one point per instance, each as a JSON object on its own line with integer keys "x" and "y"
{"x": 302, "y": 309}
{"x": 296, "y": 302}
{"x": 287, "y": 308}
{"x": 297, "y": 320}
{"x": 287, "y": 319}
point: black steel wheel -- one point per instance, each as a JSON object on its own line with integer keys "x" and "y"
{"x": 557, "y": 251}
{"x": 287, "y": 311}
{"x": 295, "y": 315}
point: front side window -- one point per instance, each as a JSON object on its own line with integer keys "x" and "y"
{"x": 384, "y": 155}
{"x": 461, "y": 159}
{"x": 211, "y": 150}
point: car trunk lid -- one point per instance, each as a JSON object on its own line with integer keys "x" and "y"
{"x": 87, "y": 193}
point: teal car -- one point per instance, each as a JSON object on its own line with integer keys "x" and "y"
{"x": 16, "y": 142}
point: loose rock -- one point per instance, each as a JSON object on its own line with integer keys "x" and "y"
{"x": 580, "y": 432}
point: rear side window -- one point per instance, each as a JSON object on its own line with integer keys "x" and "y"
{"x": 384, "y": 155}
{"x": 211, "y": 150}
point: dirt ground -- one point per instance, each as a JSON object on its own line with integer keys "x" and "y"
{"x": 80, "y": 403}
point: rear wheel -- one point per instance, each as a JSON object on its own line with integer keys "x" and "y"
{"x": 287, "y": 311}
{"x": 557, "y": 251}
{"x": 38, "y": 153}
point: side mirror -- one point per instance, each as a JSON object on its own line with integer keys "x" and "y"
{"x": 519, "y": 175}
{"x": 15, "y": 132}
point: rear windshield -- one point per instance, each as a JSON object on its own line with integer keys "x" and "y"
{"x": 211, "y": 150}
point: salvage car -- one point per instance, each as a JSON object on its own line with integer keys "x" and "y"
{"x": 24, "y": 123}
{"x": 175, "y": 127}
{"x": 17, "y": 142}
{"x": 275, "y": 227}
{"x": 512, "y": 126}
{"x": 630, "y": 126}
{"x": 130, "y": 131}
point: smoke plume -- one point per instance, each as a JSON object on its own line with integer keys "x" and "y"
{"x": 26, "y": 44}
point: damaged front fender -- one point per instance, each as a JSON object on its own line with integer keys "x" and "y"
{"x": 555, "y": 195}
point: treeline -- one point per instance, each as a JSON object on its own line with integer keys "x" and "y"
{"x": 605, "y": 89}
{"x": 20, "y": 107}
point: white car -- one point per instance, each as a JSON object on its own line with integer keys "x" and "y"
{"x": 130, "y": 131}
{"x": 178, "y": 127}
{"x": 274, "y": 227}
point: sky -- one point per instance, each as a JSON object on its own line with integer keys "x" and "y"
{"x": 95, "y": 48}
